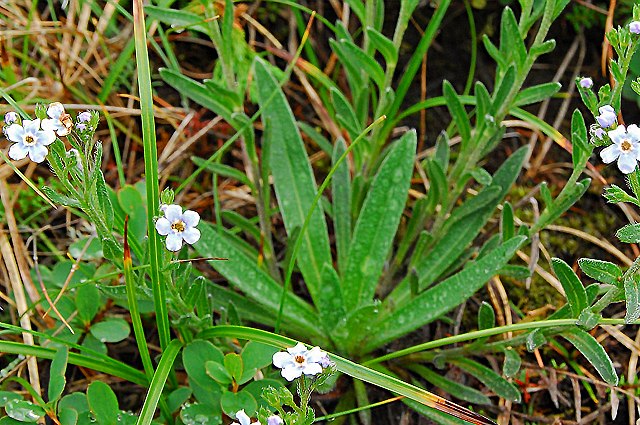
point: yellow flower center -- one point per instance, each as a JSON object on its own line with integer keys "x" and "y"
{"x": 626, "y": 146}
{"x": 29, "y": 141}
{"x": 299, "y": 359}
{"x": 178, "y": 226}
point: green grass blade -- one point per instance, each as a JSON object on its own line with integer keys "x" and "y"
{"x": 151, "y": 171}
{"x": 157, "y": 383}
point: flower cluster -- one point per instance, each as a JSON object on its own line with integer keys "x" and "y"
{"x": 31, "y": 137}
{"x": 244, "y": 419}
{"x": 299, "y": 360}
{"x": 178, "y": 226}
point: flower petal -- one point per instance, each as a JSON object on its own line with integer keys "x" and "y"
{"x": 15, "y": 133}
{"x": 291, "y": 373}
{"x": 191, "y": 235}
{"x": 610, "y": 153}
{"x": 634, "y": 132}
{"x": 315, "y": 355}
{"x": 173, "y": 212}
{"x": 38, "y": 153}
{"x": 46, "y": 137}
{"x": 282, "y": 359}
{"x": 191, "y": 218}
{"x": 49, "y": 124}
{"x": 163, "y": 226}
{"x": 17, "y": 152}
{"x": 299, "y": 348}
{"x": 627, "y": 163}
{"x": 312, "y": 369}
{"x": 174, "y": 242}
{"x": 55, "y": 110}
{"x": 618, "y": 135}
{"x": 31, "y": 126}
{"x": 243, "y": 418}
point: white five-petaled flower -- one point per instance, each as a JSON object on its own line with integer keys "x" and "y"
{"x": 625, "y": 148}
{"x": 634, "y": 27}
{"x": 29, "y": 140}
{"x": 244, "y": 419}
{"x": 274, "y": 420}
{"x": 58, "y": 121}
{"x": 178, "y": 226}
{"x": 10, "y": 117}
{"x": 298, "y": 360}
{"x": 607, "y": 116}
{"x": 586, "y": 82}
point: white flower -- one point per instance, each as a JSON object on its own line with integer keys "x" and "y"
{"x": 58, "y": 121}
{"x": 625, "y": 148}
{"x": 29, "y": 140}
{"x": 607, "y": 116}
{"x": 634, "y": 27}
{"x": 274, "y": 420}
{"x": 586, "y": 82}
{"x": 298, "y": 360}
{"x": 10, "y": 117}
{"x": 244, "y": 419}
{"x": 178, "y": 226}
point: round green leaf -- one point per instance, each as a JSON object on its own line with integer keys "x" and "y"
{"x": 23, "y": 410}
{"x": 111, "y": 330}
{"x": 232, "y": 402}
{"x": 200, "y": 414}
{"x": 7, "y": 396}
{"x": 87, "y": 302}
{"x": 233, "y": 364}
{"x": 194, "y": 357}
{"x": 102, "y": 402}
{"x": 218, "y": 372}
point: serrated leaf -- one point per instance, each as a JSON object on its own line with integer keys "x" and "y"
{"x": 593, "y": 352}
{"x": 573, "y": 288}
{"x": 602, "y": 271}
{"x": 487, "y": 376}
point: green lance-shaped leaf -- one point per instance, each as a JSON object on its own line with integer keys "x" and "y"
{"x": 594, "y": 352}
{"x": 458, "y": 113}
{"x": 383, "y": 45}
{"x": 356, "y": 58}
{"x": 443, "y": 297}
{"x": 602, "y": 271}
{"x": 378, "y": 222}
{"x": 512, "y": 362}
{"x": 341, "y": 202}
{"x": 536, "y": 93}
{"x": 294, "y": 182}
{"x": 177, "y": 18}
{"x": 511, "y": 43}
{"x": 57, "y": 371}
{"x": 487, "y": 376}
{"x": 243, "y": 273}
{"x": 632, "y": 298}
{"x": 454, "y": 388}
{"x": 573, "y": 288}
{"x": 345, "y": 115}
{"x": 581, "y": 147}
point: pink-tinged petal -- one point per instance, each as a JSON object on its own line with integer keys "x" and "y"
{"x": 38, "y": 153}
{"x": 15, "y": 133}
{"x": 163, "y": 226}
{"x": 627, "y": 163}
{"x": 282, "y": 359}
{"x": 291, "y": 373}
{"x": 173, "y": 212}
{"x": 46, "y": 137}
{"x": 299, "y": 348}
{"x": 31, "y": 126}
{"x": 17, "y": 152}
{"x": 191, "y": 218}
{"x": 174, "y": 242}
{"x": 610, "y": 153}
{"x": 312, "y": 369}
{"x": 55, "y": 110}
{"x": 191, "y": 235}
